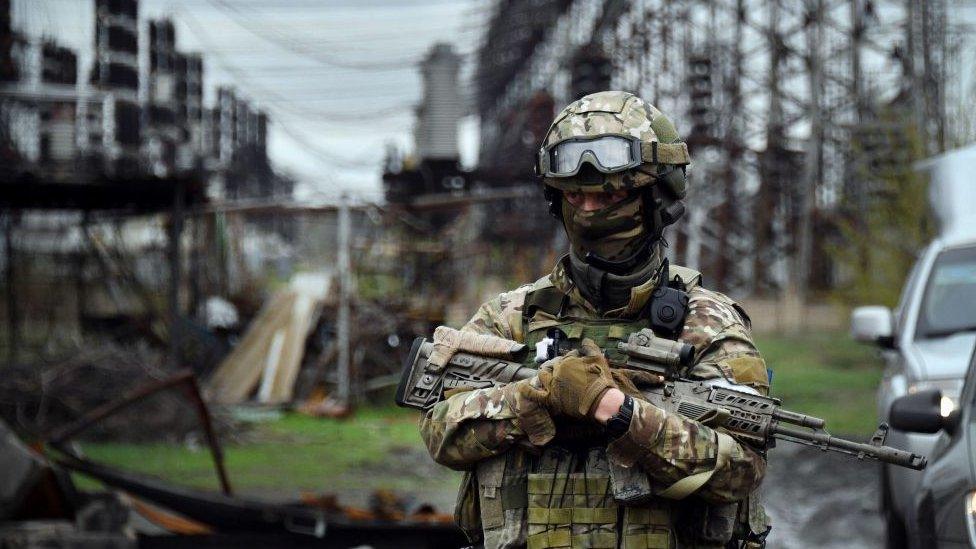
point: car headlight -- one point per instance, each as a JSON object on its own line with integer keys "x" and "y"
{"x": 950, "y": 389}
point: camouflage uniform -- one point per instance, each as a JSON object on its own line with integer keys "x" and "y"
{"x": 536, "y": 480}
{"x": 555, "y": 489}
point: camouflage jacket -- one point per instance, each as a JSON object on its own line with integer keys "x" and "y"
{"x": 469, "y": 430}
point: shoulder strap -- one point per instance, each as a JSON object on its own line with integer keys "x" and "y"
{"x": 688, "y": 278}
{"x": 546, "y": 298}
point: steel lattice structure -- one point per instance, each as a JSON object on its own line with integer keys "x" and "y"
{"x": 770, "y": 95}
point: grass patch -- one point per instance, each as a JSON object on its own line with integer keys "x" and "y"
{"x": 826, "y": 375}
{"x": 378, "y": 448}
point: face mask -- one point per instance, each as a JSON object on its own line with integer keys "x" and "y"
{"x": 613, "y": 233}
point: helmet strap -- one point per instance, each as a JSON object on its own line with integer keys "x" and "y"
{"x": 554, "y": 198}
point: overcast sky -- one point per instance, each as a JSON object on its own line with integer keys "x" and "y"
{"x": 338, "y": 79}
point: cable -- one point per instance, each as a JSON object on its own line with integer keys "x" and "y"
{"x": 315, "y": 52}
{"x": 328, "y": 156}
{"x": 317, "y": 153}
{"x": 283, "y": 103}
{"x": 287, "y": 43}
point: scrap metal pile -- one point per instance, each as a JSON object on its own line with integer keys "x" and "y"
{"x": 36, "y": 397}
{"x": 41, "y": 505}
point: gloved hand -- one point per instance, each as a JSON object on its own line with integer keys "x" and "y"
{"x": 572, "y": 384}
{"x": 533, "y": 417}
{"x": 631, "y": 381}
{"x": 448, "y": 341}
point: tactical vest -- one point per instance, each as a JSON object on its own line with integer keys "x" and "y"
{"x": 571, "y": 495}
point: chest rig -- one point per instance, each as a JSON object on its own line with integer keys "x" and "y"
{"x": 544, "y": 311}
{"x": 572, "y": 495}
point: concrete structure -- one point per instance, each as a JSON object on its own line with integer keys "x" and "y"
{"x": 162, "y": 132}
{"x": 39, "y": 104}
{"x": 190, "y": 111}
{"x": 116, "y": 73}
{"x": 436, "y": 133}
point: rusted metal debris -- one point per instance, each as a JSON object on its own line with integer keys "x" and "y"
{"x": 185, "y": 380}
{"x": 228, "y": 518}
{"x": 37, "y": 397}
{"x": 316, "y": 518}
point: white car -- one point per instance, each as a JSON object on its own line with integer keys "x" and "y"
{"x": 928, "y": 339}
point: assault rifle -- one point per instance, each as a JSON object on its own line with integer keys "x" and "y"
{"x": 751, "y": 417}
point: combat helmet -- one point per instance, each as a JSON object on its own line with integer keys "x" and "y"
{"x": 631, "y": 143}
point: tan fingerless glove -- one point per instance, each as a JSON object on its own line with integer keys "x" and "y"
{"x": 572, "y": 385}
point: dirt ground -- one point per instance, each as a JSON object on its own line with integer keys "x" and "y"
{"x": 822, "y": 499}
{"x": 816, "y": 499}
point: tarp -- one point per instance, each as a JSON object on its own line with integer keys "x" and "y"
{"x": 268, "y": 357}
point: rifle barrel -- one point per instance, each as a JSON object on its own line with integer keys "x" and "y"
{"x": 802, "y": 420}
{"x": 826, "y": 441}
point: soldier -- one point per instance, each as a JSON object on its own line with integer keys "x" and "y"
{"x": 575, "y": 457}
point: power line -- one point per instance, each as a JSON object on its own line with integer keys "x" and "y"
{"x": 238, "y": 77}
{"x": 235, "y": 15}
{"x": 281, "y": 102}
{"x": 328, "y": 156}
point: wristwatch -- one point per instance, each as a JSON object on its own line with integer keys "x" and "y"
{"x": 618, "y": 423}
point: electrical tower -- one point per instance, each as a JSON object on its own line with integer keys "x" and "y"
{"x": 772, "y": 96}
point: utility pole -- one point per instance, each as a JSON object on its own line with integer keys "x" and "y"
{"x": 175, "y": 276}
{"x": 814, "y": 154}
{"x": 345, "y": 280}
{"x": 13, "y": 318}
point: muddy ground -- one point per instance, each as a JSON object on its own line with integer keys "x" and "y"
{"x": 816, "y": 499}
{"x": 820, "y": 499}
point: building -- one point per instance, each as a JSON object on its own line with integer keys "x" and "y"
{"x": 39, "y": 103}
{"x": 115, "y": 137}
{"x": 434, "y": 168}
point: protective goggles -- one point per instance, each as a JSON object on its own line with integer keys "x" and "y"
{"x": 606, "y": 153}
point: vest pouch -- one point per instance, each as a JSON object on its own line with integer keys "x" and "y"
{"x": 753, "y": 523}
{"x": 570, "y": 510}
{"x": 630, "y": 485}
{"x": 467, "y": 511}
{"x": 502, "y": 499}
{"x": 709, "y": 524}
{"x": 648, "y": 527}
{"x": 490, "y": 474}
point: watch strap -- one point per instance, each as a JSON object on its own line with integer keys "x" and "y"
{"x": 619, "y": 423}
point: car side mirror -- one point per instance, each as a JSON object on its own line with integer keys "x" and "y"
{"x": 873, "y": 324}
{"x": 923, "y": 412}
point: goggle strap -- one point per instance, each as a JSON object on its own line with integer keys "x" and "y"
{"x": 665, "y": 153}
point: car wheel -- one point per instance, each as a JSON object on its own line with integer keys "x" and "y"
{"x": 896, "y": 535}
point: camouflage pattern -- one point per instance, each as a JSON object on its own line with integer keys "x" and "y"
{"x": 484, "y": 422}
{"x": 480, "y": 431}
{"x": 611, "y": 113}
{"x": 690, "y": 449}
{"x": 721, "y": 333}
{"x": 613, "y": 233}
